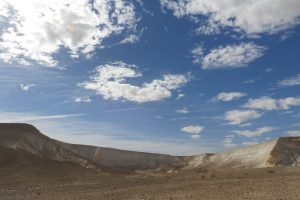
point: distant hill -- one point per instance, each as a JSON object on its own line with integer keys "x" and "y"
{"x": 284, "y": 151}
{"x": 26, "y": 138}
{"x": 24, "y": 145}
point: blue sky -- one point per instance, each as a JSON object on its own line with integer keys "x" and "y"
{"x": 179, "y": 77}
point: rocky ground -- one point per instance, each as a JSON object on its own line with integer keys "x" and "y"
{"x": 264, "y": 184}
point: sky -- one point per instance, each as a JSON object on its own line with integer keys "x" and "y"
{"x": 180, "y": 77}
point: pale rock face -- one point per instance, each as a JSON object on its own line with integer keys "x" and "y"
{"x": 279, "y": 152}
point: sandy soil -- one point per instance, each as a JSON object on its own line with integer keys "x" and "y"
{"x": 264, "y": 184}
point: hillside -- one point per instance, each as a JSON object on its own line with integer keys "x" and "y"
{"x": 24, "y": 144}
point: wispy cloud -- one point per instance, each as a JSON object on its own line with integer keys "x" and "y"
{"x": 12, "y": 117}
{"x": 180, "y": 96}
{"x": 292, "y": 81}
{"x": 255, "y": 133}
{"x": 123, "y": 109}
{"x": 85, "y": 99}
{"x": 229, "y": 96}
{"x": 228, "y": 141}
{"x": 183, "y": 111}
{"x": 26, "y": 87}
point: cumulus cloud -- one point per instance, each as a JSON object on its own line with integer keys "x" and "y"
{"x": 292, "y": 81}
{"x": 85, "y": 99}
{"x": 109, "y": 81}
{"x": 249, "y": 17}
{"x": 232, "y": 56}
{"x": 229, "y": 96}
{"x": 263, "y": 103}
{"x": 268, "y": 103}
{"x": 34, "y": 31}
{"x": 26, "y": 87}
{"x": 183, "y": 111}
{"x": 237, "y": 117}
{"x": 255, "y": 133}
{"x": 195, "y": 130}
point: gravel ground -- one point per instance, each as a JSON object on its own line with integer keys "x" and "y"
{"x": 256, "y": 184}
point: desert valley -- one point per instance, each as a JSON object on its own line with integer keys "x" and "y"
{"x": 33, "y": 166}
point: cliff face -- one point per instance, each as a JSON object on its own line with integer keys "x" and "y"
{"x": 286, "y": 152}
{"x": 126, "y": 160}
{"x": 24, "y": 139}
{"x": 28, "y": 139}
{"x": 279, "y": 152}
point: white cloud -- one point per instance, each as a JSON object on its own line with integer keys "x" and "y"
{"x": 232, "y": 56}
{"x": 109, "y": 81}
{"x": 11, "y": 117}
{"x": 195, "y": 136}
{"x": 256, "y": 133}
{"x": 237, "y": 117}
{"x": 295, "y": 133}
{"x": 288, "y": 102}
{"x": 132, "y": 38}
{"x": 268, "y": 70}
{"x": 268, "y": 103}
{"x": 292, "y": 81}
{"x": 183, "y": 111}
{"x": 250, "y": 17}
{"x": 245, "y": 125}
{"x": 26, "y": 87}
{"x": 263, "y": 103}
{"x": 229, "y": 96}
{"x": 34, "y": 30}
{"x": 194, "y": 130}
{"x": 211, "y": 28}
{"x": 179, "y": 96}
{"x": 85, "y": 99}
{"x": 249, "y": 81}
{"x": 197, "y": 54}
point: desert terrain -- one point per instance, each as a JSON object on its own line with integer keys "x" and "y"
{"x": 273, "y": 184}
{"x": 33, "y": 166}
